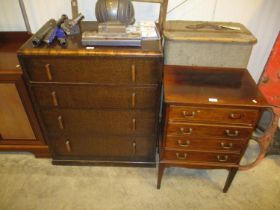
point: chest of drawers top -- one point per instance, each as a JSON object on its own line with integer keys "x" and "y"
{"x": 215, "y": 87}
{"x": 149, "y": 48}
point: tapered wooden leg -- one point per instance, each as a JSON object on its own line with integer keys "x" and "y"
{"x": 161, "y": 168}
{"x": 231, "y": 175}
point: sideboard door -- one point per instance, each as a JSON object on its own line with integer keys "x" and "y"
{"x": 14, "y": 121}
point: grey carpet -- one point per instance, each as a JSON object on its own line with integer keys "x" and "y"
{"x": 27, "y": 183}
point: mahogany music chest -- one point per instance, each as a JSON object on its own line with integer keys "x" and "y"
{"x": 209, "y": 116}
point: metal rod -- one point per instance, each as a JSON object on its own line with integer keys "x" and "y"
{"x": 75, "y": 9}
{"x": 24, "y": 15}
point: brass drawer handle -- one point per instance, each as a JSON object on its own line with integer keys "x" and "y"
{"x": 235, "y": 115}
{"x": 133, "y": 73}
{"x": 60, "y": 122}
{"x": 48, "y": 71}
{"x": 232, "y": 133}
{"x": 188, "y": 114}
{"x": 134, "y": 148}
{"x": 54, "y": 98}
{"x": 68, "y": 146}
{"x": 133, "y": 100}
{"x": 222, "y": 158}
{"x": 183, "y": 131}
{"x": 223, "y": 145}
{"x": 134, "y": 124}
{"x": 181, "y": 157}
{"x": 185, "y": 144}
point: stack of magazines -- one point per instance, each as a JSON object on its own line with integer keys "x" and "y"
{"x": 132, "y": 35}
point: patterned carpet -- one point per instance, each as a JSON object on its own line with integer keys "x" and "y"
{"x": 27, "y": 183}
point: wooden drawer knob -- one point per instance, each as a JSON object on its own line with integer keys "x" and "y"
{"x": 185, "y": 131}
{"x": 54, "y": 98}
{"x": 134, "y": 124}
{"x": 48, "y": 71}
{"x": 222, "y": 158}
{"x": 133, "y": 73}
{"x": 60, "y": 122}
{"x": 68, "y": 146}
{"x": 181, "y": 156}
{"x": 134, "y": 148}
{"x": 228, "y": 146}
{"x": 230, "y": 133}
{"x": 133, "y": 100}
{"x": 1, "y": 138}
{"x": 183, "y": 144}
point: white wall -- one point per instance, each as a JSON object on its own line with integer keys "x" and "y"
{"x": 260, "y": 16}
{"x": 10, "y": 16}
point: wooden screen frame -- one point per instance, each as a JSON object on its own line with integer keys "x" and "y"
{"x": 162, "y": 12}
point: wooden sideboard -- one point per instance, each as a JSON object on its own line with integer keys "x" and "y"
{"x": 209, "y": 117}
{"x": 19, "y": 128}
{"x": 96, "y": 106}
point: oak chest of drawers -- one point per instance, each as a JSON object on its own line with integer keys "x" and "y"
{"x": 97, "y": 106}
{"x": 209, "y": 117}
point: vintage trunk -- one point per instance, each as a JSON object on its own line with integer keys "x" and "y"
{"x": 212, "y": 44}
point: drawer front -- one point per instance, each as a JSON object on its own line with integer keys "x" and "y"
{"x": 94, "y": 70}
{"x": 185, "y": 143}
{"x": 105, "y": 147}
{"x": 96, "y": 97}
{"x": 209, "y": 131}
{"x": 99, "y": 122}
{"x": 174, "y": 155}
{"x": 218, "y": 115}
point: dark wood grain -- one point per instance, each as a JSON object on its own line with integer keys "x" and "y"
{"x": 87, "y": 97}
{"x": 101, "y": 70}
{"x": 100, "y": 122}
{"x": 105, "y": 148}
{"x": 196, "y": 85}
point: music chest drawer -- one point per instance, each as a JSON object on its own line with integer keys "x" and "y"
{"x": 187, "y": 156}
{"x": 89, "y": 96}
{"x": 209, "y": 131}
{"x": 94, "y": 70}
{"x": 213, "y": 115}
{"x": 185, "y": 143}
